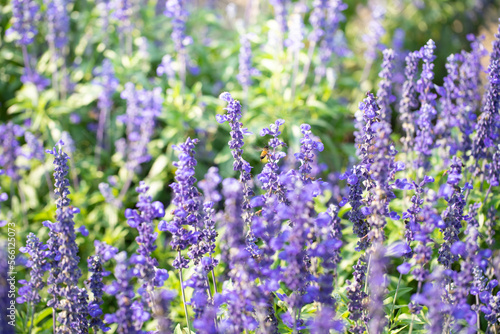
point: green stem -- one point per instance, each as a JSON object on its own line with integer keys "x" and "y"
{"x": 184, "y": 299}
{"x": 32, "y": 318}
{"x": 394, "y": 300}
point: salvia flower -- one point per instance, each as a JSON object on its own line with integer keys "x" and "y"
{"x": 146, "y": 267}
{"x": 35, "y": 146}
{"x": 409, "y": 102}
{"x": 269, "y": 178}
{"x": 38, "y": 264}
{"x": 308, "y": 145}
{"x": 143, "y": 107}
{"x": 11, "y": 149}
{"x": 384, "y": 94}
{"x": 453, "y": 214}
{"x": 58, "y": 23}
{"x": 332, "y": 43}
{"x": 163, "y": 298}
{"x": 64, "y": 274}
{"x": 187, "y": 203}
{"x": 96, "y": 285}
{"x": 200, "y": 301}
{"x": 424, "y": 140}
{"x": 130, "y": 314}
{"x": 375, "y": 31}
{"x": 246, "y": 71}
{"x": 356, "y": 294}
{"x": 26, "y": 15}
{"x": 280, "y": 14}
{"x": 377, "y": 289}
{"x": 239, "y": 298}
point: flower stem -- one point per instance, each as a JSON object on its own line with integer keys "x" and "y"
{"x": 184, "y": 298}
{"x": 394, "y": 300}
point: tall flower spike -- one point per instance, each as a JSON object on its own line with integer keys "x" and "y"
{"x": 356, "y": 295}
{"x": 424, "y": 140}
{"x": 108, "y": 83}
{"x": 384, "y": 94}
{"x": 246, "y": 71}
{"x": 187, "y": 203}
{"x": 453, "y": 214}
{"x": 130, "y": 315}
{"x": 25, "y": 16}
{"x": 146, "y": 267}
{"x": 236, "y": 143}
{"x": 308, "y": 145}
{"x": 269, "y": 177}
{"x": 487, "y": 127}
{"x": 470, "y": 84}
{"x": 332, "y": 41}
{"x": 11, "y": 149}
{"x": 175, "y": 9}
{"x": 103, "y": 253}
{"x": 377, "y": 289}
{"x": 64, "y": 274}
{"x": 38, "y": 264}
{"x": 409, "y": 102}
{"x": 243, "y": 292}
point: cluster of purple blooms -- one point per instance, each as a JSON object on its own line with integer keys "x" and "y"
{"x": 275, "y": 240}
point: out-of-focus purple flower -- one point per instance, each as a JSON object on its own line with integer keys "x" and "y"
{"x": 200, "y": 301}
{"x": 332, "y": 42}
{"x": 25, "y": 14}
{"x": 35, "y": 78}
{"x": 10, "y": 149}
{"x": 74, "y": 118}
{"x": 163, "y": 298}
{"x": 377, "y": 284}
{"x": 424, "y": 139}
{"x": 296, "y": 34}
{"x": 5, "y": 300}
{"x": 210, "y": 184}
{"x": 143, "y": 107}
{"x": 130, "y": 315}
{"x": 58, "y": 24}
{"x": 355, "y": 293}
{"x": 430, "y": 297}
{"x": 175, "y": 10}
{"x": 324, "y": 321}
{"x": 123, "y": 11}
{"x": 187, "y": 203}
{"x": 165, "y": 67}
{"x": 239, "y": 298}
{"x": 246, "y": 71}
{"x": 35, "y": 146}
{"x": 470, "y": 97}
{"x": 490, "y": 223}
{"x": 409, "y": 102}
{"x": 384, "y": 93}
{"x": 108, "y": 82}
{"x": 375, "y": 32}
{"x": 280, "y": 14}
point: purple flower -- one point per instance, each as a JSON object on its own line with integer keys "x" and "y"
{"x": 246, "y": 71}
{"x": 187, "y": 202}
{"x": 355, "y": 293}
{"x": 63, "y": 251}
{"x": 424, "y": 140}
{"x": 130, "y": 315}
{"x": 143, "y": 220}
{"x": 58, "y": 24}
{"x": 308, "y": 145}
{"x": 384, "y": 93}
{"x": 409, "y": 102}
{"x": 143, "y": 107}
{"x": 11, "y": 149}
{"x": 38, "y": 265}
{"x": 375, "y": 32}
{"x": 377, "y": 284}
{"x": 25, "y": 15}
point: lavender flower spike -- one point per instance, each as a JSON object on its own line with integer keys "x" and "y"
{"x": 384, "y": 94}
{"x": 424, "y": 140}
{"x": 64, "y": 274}
{"x": 246, "y": 71}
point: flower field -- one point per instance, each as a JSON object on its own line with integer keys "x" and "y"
{"x": 310, "y": 166}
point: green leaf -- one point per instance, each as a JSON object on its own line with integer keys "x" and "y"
{"x": 42, "y": 315}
